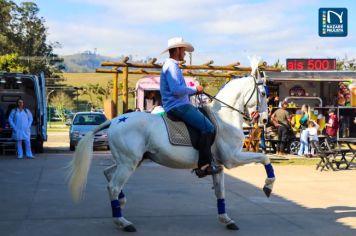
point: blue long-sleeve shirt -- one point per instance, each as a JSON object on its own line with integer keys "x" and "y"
{"x": 174, "y": 91}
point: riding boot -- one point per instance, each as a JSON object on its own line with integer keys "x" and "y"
{"x": 206, "y": 157}
{"x": 204, "y": 145}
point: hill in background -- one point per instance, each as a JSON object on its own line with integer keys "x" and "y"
{"x": 84, "y": 62}
{"x": 89, "y": 61}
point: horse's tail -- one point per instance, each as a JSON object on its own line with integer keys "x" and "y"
{"x": 79, "y": 166}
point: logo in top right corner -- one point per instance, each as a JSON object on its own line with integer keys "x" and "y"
{"x": 332, "y": 22}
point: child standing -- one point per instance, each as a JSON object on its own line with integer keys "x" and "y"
{"x": 312, "y": 129}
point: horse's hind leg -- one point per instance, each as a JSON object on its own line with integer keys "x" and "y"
{"x": 118, "y": 180}
{"x": 109, "y": 172}
{"x": 219, "y": 188}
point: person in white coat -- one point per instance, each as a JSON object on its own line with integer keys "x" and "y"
{"x": 20, "y": 120}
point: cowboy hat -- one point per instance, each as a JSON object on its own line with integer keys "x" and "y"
{"x": 178, "y": 42}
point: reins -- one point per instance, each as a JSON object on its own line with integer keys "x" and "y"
{"x": 245, "y": 116}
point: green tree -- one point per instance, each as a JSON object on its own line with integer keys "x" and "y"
{"x": 278, "y": 65}
{"x": 24, "y": 33}
{"x": 10, "y": 63}
{"x": 108, "y": 89}
{"x": 97, "y": 94}
{"x": 7, "y": 9}
{"x": 61, "y": 102}
{"x": 36, "y": 52}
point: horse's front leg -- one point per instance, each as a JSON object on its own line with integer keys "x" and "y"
{"x": 219, "y": 188}
{"x": 242, "y": 158}
{"x": 267, "y": 188}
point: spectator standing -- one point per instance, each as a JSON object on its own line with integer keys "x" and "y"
{"x": 332, "y": 126}
{"x": 281, "y": 120}
{"x": 20, "y": 121}
{"x": 263, "y": 145}
{"x": 304, "y": 142}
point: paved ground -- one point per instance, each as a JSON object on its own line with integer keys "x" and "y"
{"x": 34, "y": 200}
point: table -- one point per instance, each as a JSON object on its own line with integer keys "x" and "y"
{"x": 349, "y": 143}
{"x": 343, "y": 160}
{"x": 329, "y": 156}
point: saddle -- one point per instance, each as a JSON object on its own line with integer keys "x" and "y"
{"x": 181, "y": 134}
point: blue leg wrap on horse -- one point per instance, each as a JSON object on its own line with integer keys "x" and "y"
{"x": 121, "y": 195}
{"x": 269, "y": 170}
{"x": 221, "y": 206}
{"x": 116, "y": 209}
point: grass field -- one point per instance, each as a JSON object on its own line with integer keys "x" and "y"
{"x": 296, "y": 161}
{"x": 80, "y": 79}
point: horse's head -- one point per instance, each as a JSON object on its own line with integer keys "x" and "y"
{"x": 256, "y": 94}
{"x": 255, "y": 100}
{"x": 243, "y": 97}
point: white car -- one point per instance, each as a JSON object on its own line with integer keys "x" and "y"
{"x": 84, "y": 122}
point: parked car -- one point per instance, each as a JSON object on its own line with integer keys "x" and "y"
{"x": 84, "y": 122}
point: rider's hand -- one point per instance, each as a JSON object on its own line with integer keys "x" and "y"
{"x": 200, "y": 89}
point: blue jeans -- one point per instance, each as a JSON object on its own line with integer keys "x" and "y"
{"x": 263, "y": 141}
{"x": 304, "y": 144}
{"x": 193, "y": 117}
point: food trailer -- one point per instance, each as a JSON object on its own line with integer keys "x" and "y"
{"x": 151, "y": 83}
{"x": 321, "y": 90}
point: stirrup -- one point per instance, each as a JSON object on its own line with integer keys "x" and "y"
{"x": 210, "y": 170}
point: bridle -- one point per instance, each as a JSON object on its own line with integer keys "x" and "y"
{"x": 258, "y": 93}
{"x": 243, "y": 113}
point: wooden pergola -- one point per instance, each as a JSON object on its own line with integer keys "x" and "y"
{"x": 152, "y": 68}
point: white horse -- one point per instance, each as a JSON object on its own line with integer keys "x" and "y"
{"x": 135, "y": 136}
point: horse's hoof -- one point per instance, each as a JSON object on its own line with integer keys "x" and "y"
{"x": 232, "y": 226}
{"x": 130, "y": 228}
{"x": 267, "y": 191}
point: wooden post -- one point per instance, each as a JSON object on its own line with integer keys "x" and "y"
{"x": 114, "y": 94}
{"x": 125, "y": 92}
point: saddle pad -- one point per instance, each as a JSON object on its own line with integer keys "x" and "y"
{"x": 181, "y": 134}
{"x": 178, "y": 133}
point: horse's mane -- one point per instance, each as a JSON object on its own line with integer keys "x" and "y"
{"x": 233, "y": 80}
{"x": 224, "y": 89}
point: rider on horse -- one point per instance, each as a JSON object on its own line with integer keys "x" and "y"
{"x": 175, "y": 98}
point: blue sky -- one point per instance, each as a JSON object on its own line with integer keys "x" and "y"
{"x": 225, "y": 31}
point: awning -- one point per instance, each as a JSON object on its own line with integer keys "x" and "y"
{"x": 332, "y": 76}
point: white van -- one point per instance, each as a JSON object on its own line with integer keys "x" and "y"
{"x": 32, "y": 90}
